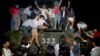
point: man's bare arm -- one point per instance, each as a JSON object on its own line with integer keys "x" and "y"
{"x": 37, "y": 5}
{"x": 60, "y": 3}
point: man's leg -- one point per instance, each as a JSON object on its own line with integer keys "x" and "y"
{"x": 37, "y": 40}
{"x": 12, "y": 24}
{"x": 23, "y": 17}
{"x": 52, "y": 22}
{"x": 64, "y": 23}
{"x": 33, "y": 36}
{"x": 61, "y": 23}
{"x": 58, "y": 19}
{"x": 25, "y": 30}
{"x": 55, "y": 22}
{"x": 68, "y": 22}
{"x": 17, "y": 22}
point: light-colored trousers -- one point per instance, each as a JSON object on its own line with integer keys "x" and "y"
{"x": 16, "y": 23}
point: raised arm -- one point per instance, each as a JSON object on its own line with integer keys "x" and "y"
{"x": 37, "y": 5}
{"x": 60, "y": 3}
{"x": 68, "y": 5}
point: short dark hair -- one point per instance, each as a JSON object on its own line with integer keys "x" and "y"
{"x": 62, "y": 37}
{"x": 20, "y": 51}
{"x": 6, "y": 40}
{"x": 25, "y": 40}
{"x": 41, "y": 16}
{"x": 50, "y": 50}
{"x": 64, "y": 47}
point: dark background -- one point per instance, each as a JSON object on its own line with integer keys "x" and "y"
{"x": 87, "y": 11}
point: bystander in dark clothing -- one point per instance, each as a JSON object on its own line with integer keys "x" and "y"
{"x": 64, "y": 15}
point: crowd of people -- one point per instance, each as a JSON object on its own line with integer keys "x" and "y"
{"x": 80, "y": 43}
{"x": 42, "y": 18}
{"x": 80, "y": 46}
{"x": 57, "y": 17}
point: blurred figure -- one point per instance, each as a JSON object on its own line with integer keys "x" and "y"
{"x": 20, "y": 51}
{"x": 64, "y": 48}
{"x": 64, "y": 15}
{"x": 82, "y": 26}
{"x": 69, "y": 41}
{"x": 23, "y": 48}
{"x": 69, "y": 5}
{"x": 43, "y": 10}
{"x": 27, "y": 25}
{"x": 85, "y": 45}
{"x": 26, "y": 13}
{"x": 56, "y": 47}
{"x": 76, "y": 49}
{"x": 34, "y": 31}
{"x": 90, "y": 34}
{"x": 71, "y": 20}
{"x": 33, "y": 50}
{"x": 96, "y": 33}
{"x": 50, "y": 51}
{"x": 5, "y": 50}
{"x": 15, "y": 21}
{"x": 35, "y": 11}
{"x": 50, "y": 19}
{"x": 42, "y": 24}
{"x": 96, "y": 50}
{"x": 56, "y": 11}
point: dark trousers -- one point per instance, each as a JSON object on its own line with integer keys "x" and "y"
{"x": 63, "y": 23}
{"x": 25, "y": 30}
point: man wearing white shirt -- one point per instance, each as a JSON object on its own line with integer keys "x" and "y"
{"x": 34, "y": 31}
{"x": 33, "y": 23}
{"x": 27, "y": 25}
{"x": 42, "y": 23}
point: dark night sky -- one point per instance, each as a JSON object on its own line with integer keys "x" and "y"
{"x": 87, "y": 11}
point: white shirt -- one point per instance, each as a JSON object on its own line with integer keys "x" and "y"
{"x": 81, "y": 25}
{"x": 41, "y": 22}
{"x": 56, "y": 47}
{"x": 27, "y": 23}
{"x": 43, "y": 12}
{"x": 7, "y": 52}
{"x": 27, "y": 11}
{"x": 64, "y": 13}
{"x": 34, "y": 23}
{"x": 95, "y": 51}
